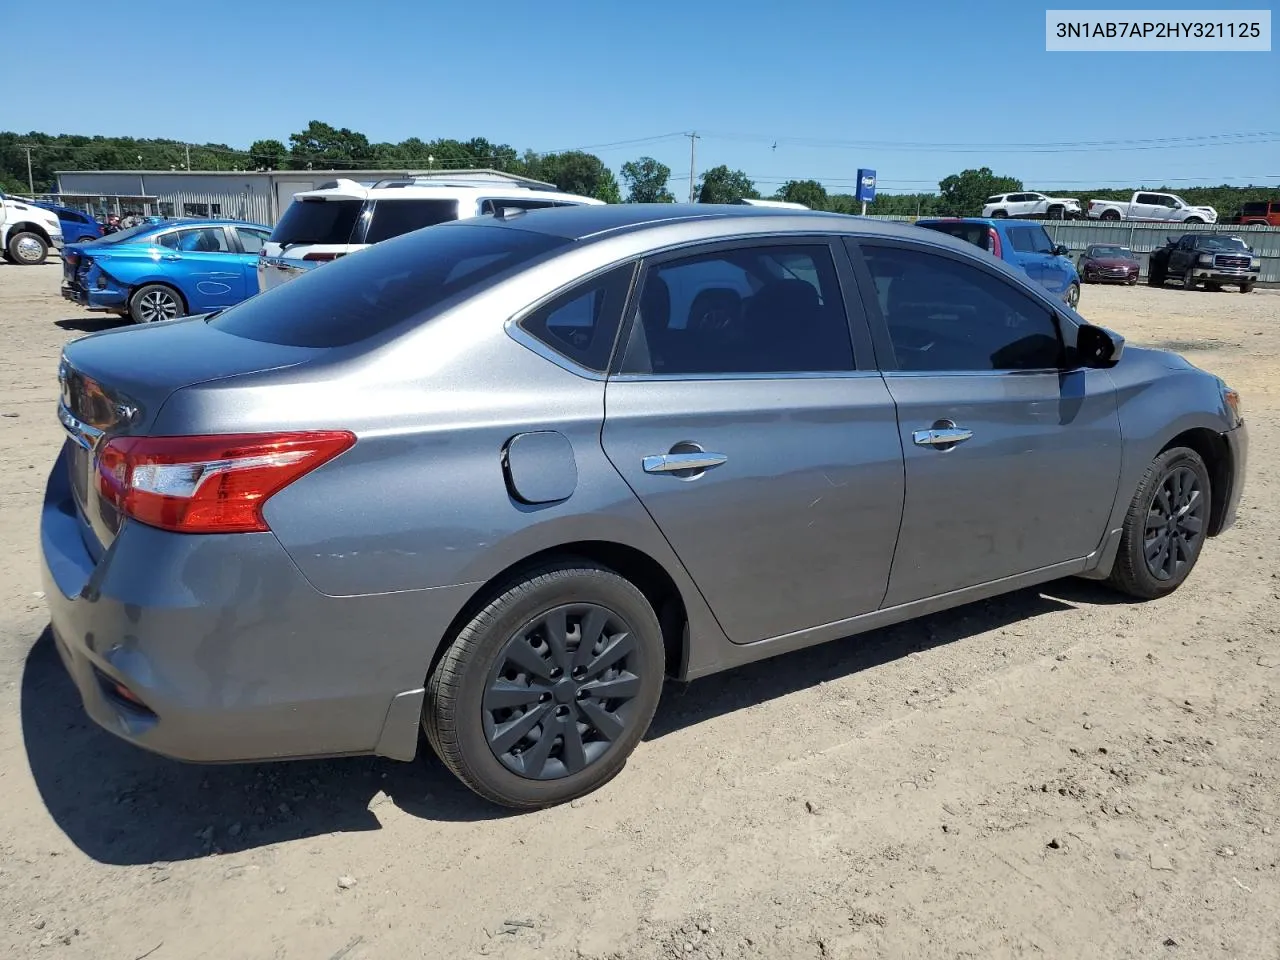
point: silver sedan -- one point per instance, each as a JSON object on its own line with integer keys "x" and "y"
{"x": 500, "y": 477}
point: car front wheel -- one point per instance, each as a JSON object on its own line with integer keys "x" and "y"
{"x": 27, "y": 249}
{"x": 1165, "y": 527}
{"x": 543, "y": 695}
{"x": 1073, "y": 295}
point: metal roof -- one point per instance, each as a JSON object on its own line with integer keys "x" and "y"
{"x": 376, "y": 174}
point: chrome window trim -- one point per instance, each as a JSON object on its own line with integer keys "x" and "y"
{"x": 794, "y": 375}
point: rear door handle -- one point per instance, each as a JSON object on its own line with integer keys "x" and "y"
{"x": 171, "y": 256}
{"x": 940, "y": 436}
{"x": 672, "y": 462}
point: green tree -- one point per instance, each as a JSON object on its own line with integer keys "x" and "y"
{"x": 576, "y": 172}
{"x": 646, "y": 181}
{"x": 722, "y": 185}
{"x": 809, "y": 192}
{"x": 321, "y": 145}
{"x": 965, "y": 193}
{"x": 268, "y": 154}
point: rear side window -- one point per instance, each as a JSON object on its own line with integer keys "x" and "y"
{"x": 583, "y": 323}
{"x": 975, "y": 233}
{"x": 991, "y": 200}
{"x": 391, "y": 218}
{"x": 317, "y": 221}
{"x": 355, "y": 298}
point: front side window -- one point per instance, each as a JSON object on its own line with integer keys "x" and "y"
{"x": 745, "y": 310}
{"x": 392, "y": 218}
{"x": 947, "y": 316}
{"x": 251, "y": 240}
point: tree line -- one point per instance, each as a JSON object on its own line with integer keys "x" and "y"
{"x": 645, "y": 180}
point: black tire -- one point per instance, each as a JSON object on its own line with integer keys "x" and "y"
{"x": 1132, "y": 574}
{"x": 1157, "y": 273}
{"x": 1193, "y": 220}
{"x": 467, "y": 731}
{"x": 1073, "y": 296}
{"x": 156, "y": 302}
{"x": 1000, "y": 215}
{"x": 1109, "y": 215}
{"x": 1189, "y": 279}
{"x": 27, "y": 249}
{"x": 1057, "y": 212}
{"x": 1246, "y": 288}
{"x": 1212, "y": 287}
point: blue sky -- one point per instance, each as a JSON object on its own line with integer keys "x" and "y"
{"x": 808, "y": 75}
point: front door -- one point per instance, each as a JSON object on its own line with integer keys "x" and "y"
{"x": 1011, "y": 460}
{"x": 768, "y": 459}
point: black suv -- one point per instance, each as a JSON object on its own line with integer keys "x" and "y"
{"x": 1210, "y": 258}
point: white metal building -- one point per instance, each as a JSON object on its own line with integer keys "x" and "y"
{"x": 256, "y": 196}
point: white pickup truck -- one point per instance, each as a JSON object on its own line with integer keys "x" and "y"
{"x": 1151, "y": 207}
{"x": 27, "y": 231}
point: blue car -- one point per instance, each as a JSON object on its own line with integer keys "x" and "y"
{"x": 77, "y": 226}
{"x": 1021, "y": 244}
{"x": 158, "y": 271}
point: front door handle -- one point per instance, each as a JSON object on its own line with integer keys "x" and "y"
{"x": 943, "y": 434}
{"x": 673, "y": 462}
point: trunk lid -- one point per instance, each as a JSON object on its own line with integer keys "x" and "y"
{"x": 114, "y": 384}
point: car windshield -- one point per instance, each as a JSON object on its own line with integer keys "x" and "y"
{"x": 1222, "y": 244}
{"x": 314, "y": 220}
{"x": 131, "y": 234}
{"x": 1119, "y": 253}
{"x": 357, "y": 297}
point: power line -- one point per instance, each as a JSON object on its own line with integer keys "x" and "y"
{"x": 1162, "y": 143}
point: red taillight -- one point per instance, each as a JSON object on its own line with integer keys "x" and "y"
{"x": 209, "y": 484}
{"x": 322, "y": 257}
{"x": 73, "y": 258}
{"x": 993, "y": 241}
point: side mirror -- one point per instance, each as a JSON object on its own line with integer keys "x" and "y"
{"x": 1098, "y": 347}
{"x": 1061, "y": 250}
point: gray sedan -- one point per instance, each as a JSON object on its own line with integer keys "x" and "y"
{"x": 498, "y": 478}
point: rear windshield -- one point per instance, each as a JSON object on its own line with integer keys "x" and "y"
{"x": 131, "y": 234}
{"x": 364, "y": 294}
{"x": 317, "y": 221}
{"x": 391, "y": 218}
{"x": 975, "y": 233}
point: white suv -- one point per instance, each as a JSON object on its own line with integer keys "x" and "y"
{"x": 344, "y": 216}
{"x": 1028, "y": 205}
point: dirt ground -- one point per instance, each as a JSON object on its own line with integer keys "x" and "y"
{"x": 1053, "y": 774}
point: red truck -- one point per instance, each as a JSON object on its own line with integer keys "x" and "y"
{"x": 1264, "y": 213}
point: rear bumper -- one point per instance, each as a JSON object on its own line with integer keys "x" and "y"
{"x": 112, "y": 300}
{"x": 233, "y": 653}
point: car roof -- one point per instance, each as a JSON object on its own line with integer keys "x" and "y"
{"x": 440, "y": 191}
{"x": 989, "y": 221}
{"x": 204, "y": 222}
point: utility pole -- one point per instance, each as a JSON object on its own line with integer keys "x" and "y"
{"x": 188, "y": 149}
{"x": 31, "y": 184}
{"x": 693, "y": 140}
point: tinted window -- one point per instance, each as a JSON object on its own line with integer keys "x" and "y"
{"x": 203, "y": 240}
{"x": 169, "y": 240}
{"x": 355, "y": 298}
{"x": 1254, "y": 209}
{"x": 746, "y": 310}
{"x": 979, "y": 234}
{"x": 944, "y": 315}
{"x": 583, "y": 323}
{"x": 317, "y": 221}
{"x": 1040, "y": 242}
{"x": 391, "y": 218}
{"x": 991, "y": 200}
{"x": 132, "y": 233}
{"x": 251, "y": 240}
{"x": 1149, "y": 198}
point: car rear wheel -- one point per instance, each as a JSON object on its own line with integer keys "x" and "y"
{"x": 155, "y": 302}
{"x": 544, "y": 693}
{"x": 1193, "y": 220}
{"x": 27, "y": 249}
{"x": 1165, "y": 527}
{"x": 1000, "y": 215}
{"x": 1110, "y": 215}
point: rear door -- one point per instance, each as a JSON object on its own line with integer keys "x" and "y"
{"x": 1023, "y": 252}
{"x": 203, "y": 263}
{"x": 769, "y": 458}
{"x": 1012, "y": 459}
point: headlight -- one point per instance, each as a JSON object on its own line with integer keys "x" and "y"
{"x": 1206, "y": 260}
{"x": 1231, "y": 399}
{"x": 1255, "y": 264}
